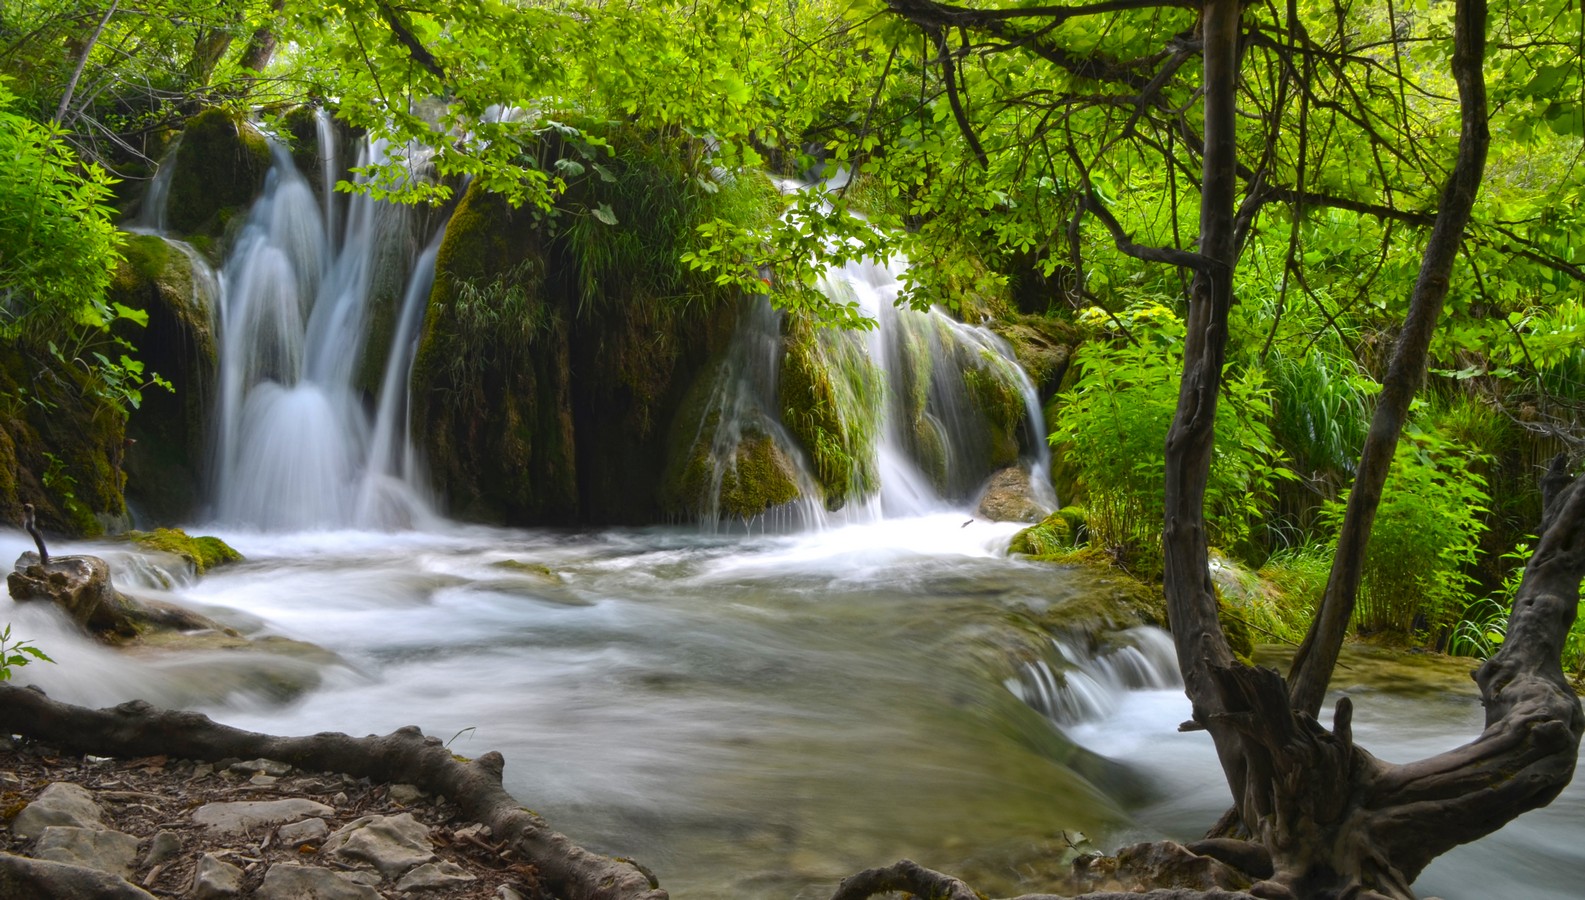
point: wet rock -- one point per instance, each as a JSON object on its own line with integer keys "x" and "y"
{"x": 1009, "y": 497}
{"x": 285, "y": 881}
{"x": 391, "y": 844}
{"x": 163, "y": 847}
{"x": 215, "y": 879}
{"x": 38, "y": 879}
{"x": 61, "y": 803}
{"x": 82, "y": 587}
{"x": 308, "y": 831}
{"x": 245, "y": 815}
{"x": 95, "y": 848}
{"x": 435, "y": 876}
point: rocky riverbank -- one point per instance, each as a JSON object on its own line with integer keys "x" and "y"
{"x": 160, "y": 827}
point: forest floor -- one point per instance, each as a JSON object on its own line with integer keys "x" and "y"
{"x": 158, "y": 796}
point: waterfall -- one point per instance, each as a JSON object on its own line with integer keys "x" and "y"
{"x": 296, "y": 446}
{"x": 912, "y": 404}
{"x": 1076, "y": 683}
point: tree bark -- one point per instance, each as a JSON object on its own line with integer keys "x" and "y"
{"x": 406, "y": 756}
{"x": 1317, "y": 655}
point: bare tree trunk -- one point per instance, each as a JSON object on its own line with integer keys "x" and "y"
{"x": 1313, "y": 664}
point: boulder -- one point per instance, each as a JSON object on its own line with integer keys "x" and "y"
{"x": 1008, "y": 496}
{"x": 219, "y": 168}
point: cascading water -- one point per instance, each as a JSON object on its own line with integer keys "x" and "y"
{"x": 1077, "y": 684}
{"x": 919, "y": 410}
{"x": 296, "y": 448}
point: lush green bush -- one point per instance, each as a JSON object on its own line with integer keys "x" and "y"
{"x": 1112, "y": 428}
{"x": 1425, "y": 538}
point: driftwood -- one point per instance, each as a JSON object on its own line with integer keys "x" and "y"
{"x": 405, "y": 756}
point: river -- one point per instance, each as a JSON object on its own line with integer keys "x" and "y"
{"x": 749, "y": 716}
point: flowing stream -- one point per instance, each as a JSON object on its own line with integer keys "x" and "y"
{"x": 753, "y": 716}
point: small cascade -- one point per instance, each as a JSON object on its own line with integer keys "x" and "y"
{"x": 906, "y": 419}
{"x": 1075, "y": 684}
{"x": 295, "y": 444}
{"x": 151, "y": 217}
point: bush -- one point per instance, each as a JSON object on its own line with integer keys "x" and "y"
{"x": 1112, "y": 428}
{"x": 1425, "y": 538}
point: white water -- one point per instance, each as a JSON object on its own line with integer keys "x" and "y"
{"x": 905, "y": 344}
{"x": 296, "y": 447}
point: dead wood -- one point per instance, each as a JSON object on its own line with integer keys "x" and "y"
{"x": 138, "y": 729}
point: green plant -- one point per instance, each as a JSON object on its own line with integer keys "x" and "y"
{"x": 14, "y": 655}
{"x": 1112, "y": 427}
{"x": 1425, "y": 537}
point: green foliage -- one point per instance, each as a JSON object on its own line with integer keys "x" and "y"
{"x": 16, "y": 654}
{"x": 1294, "y": 580}
{"x": 1112, "y": 427}
{"x": 1425, "y": 538}
{"x": 57, "y": 241}
{"x": 1051, "y": 536}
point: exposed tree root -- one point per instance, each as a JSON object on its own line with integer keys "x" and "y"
{"x": 404, "y": 756}
{"x": 907, "y": 876}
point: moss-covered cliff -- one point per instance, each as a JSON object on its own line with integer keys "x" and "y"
{"x": 557, "y": 345}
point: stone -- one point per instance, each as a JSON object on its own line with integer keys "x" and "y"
{"x": 215, "y": 879}
{"x": 79, "y": 585}
{"x": 288, "y": 881}
{"x": 434, "y": 876}
{"x": 61, "y": 803}
{"x": 405, "y": 794}
{"x": 270, "y": 767}
{"x": 391, "y": 844}
{"x": 263, "y": 780}
{"x": 507, "y": 892}
{"x": 308, "y": 831}
{"x": 1009, "y": 497}
{"x": 246, "y": 815}
{"x": 38, "y": 879}
{"x": 163, "y": 847}
{"x": 95, "y": 848}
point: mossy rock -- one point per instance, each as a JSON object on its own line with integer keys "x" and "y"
{"x": 829, "y": 396}
{"x": 170, "y": 428}
{"x": 61, "y": 446}
{"x": 537, "y": 570}
{"x": 203, "y": 551}
{"x": 1053, "y": 535}
{"x": 219, "y": 169}
{"x": 1043, "y": 346}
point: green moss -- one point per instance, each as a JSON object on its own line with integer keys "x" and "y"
{"x": 204, "y": 552}
{"x": 539, "y": 570}
{"x": 1053, "y": 535}
{"x": 830, "y": 395}
{"x": 220, "y": 168}
{"x": 759, "y": 478}
{"x": 995, "y": 394}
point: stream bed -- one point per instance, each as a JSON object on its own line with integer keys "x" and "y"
{"x": 749, "y": 716}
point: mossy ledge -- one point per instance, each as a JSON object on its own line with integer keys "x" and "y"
{"x": 203, "y": 551}
{"x": 219, "y": 168}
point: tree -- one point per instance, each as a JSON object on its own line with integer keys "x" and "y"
{"x": 1333, "y": 820}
